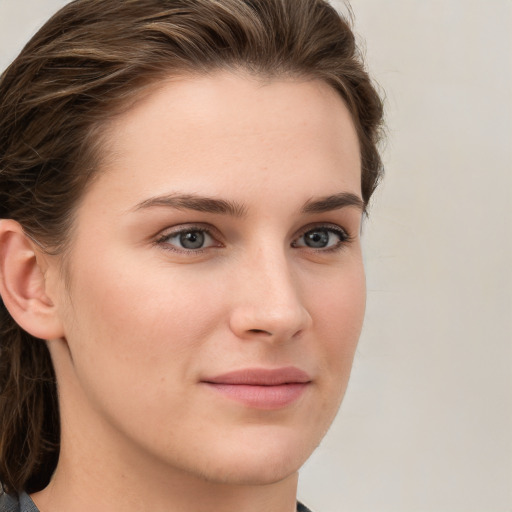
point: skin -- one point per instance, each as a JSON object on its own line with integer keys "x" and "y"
{"x": 142, "y": 321}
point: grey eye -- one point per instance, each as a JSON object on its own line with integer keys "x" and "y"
{"x": 192, "y": 239}
{"x": 317, "y": 239}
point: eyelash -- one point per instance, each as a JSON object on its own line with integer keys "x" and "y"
{"x": 344, "y": 238}
{"x": 163, "y": 240}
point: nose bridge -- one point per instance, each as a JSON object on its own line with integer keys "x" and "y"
{"x": 270, "y": 301}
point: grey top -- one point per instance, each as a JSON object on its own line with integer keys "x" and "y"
{"x": 10, "y": 503}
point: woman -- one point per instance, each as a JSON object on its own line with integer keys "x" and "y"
{"x": 182, "y": 185}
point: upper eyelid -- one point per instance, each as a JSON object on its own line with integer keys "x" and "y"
{"x": 323, "y": 225}
{"x": 200, "y": 226}
{"x": 183, "y": 228}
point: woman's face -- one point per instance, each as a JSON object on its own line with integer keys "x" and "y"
{"x": 216, "y": 289}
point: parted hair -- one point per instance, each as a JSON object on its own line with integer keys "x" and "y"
{"x": 90, "y": 62}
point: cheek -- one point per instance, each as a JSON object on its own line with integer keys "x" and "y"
{"x": 336, "y": 304}
{"x": 126, "y": 320}
{"x": 338, "y": 313}
{"x": 339, "y": 305}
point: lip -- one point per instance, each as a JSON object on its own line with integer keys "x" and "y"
{"x": 261, "y": 388}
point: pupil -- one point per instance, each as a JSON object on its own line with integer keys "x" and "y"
{"x": 192, "y": 240}
{"x": 317, "y": 239}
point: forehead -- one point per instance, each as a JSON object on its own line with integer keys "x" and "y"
{"x": 198, "y": 132}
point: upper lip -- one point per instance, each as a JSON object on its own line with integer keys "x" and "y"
{"x": 261, "y": 377}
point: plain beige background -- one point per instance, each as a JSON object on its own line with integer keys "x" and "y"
{"x": 427, "y": 421}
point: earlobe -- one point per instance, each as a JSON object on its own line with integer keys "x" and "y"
{"x": 23, "y": 285}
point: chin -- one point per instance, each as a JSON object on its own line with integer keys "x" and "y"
{"x": 260, "y": 460}
{"x": 252, "y": 473}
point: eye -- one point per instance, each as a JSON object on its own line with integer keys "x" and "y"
{"x": 189, "y": 239}
{"x": 322, "y": 237}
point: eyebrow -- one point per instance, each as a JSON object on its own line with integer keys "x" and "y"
{"x": 234, "y": 209}
{"x": 194, "y": 202}
{"x": 334, "y": 202}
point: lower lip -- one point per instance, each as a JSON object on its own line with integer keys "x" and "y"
{"x": 262, "y": 397}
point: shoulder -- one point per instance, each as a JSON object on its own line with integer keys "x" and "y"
{"x": 302, "y": 508}
{"x": 9, "y": 503}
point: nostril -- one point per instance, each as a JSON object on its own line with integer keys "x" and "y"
{"x": 260, "y": 331}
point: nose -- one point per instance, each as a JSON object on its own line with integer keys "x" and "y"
{"x": 268, "y": 303}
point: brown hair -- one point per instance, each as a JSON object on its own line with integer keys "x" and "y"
{"x": 88, "y": 63}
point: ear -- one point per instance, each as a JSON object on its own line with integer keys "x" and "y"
{"x": 23, "y": 269}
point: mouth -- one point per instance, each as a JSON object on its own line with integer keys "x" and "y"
{"x": 260, "y": 388}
